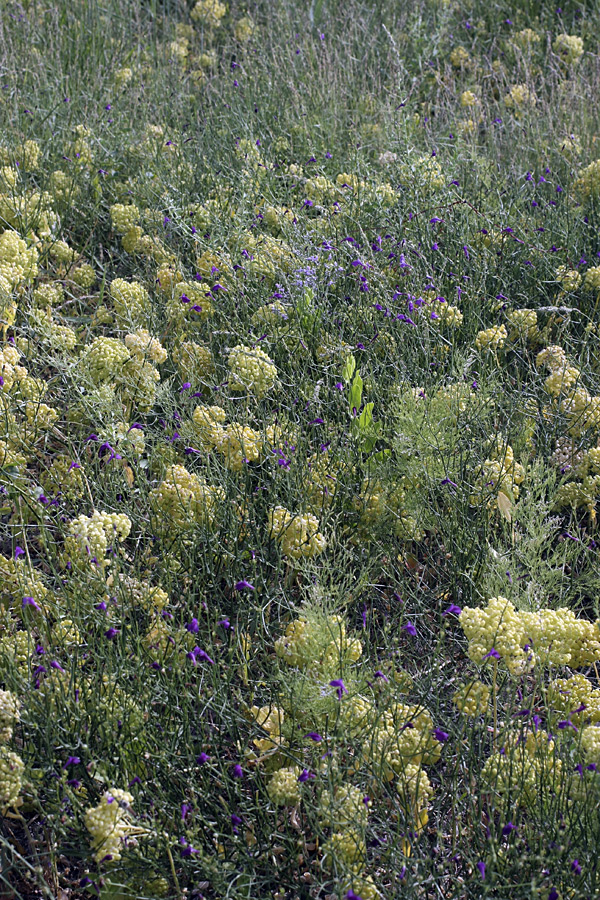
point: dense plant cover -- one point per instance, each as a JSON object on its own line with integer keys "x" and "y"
{"x": 299, "y": 449}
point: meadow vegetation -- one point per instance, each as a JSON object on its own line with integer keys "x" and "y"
{"x": 299, "y": 449}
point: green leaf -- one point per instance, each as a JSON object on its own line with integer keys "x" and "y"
{"x": 355, "y": 396}
{"x": 348, "y": 370}
{"x": 366, "y": 417}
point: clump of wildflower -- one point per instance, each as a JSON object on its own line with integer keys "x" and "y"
{"x": 61, "y": 253}
{"x": 251, "y": 370}
{"x": 468, "y": 99}
{"x": 131, "y": 302}
{"x": 590, "y": 744}
{"x": 587, "y": 183}
{"x": 592, "y": 279}
{"x": 345, "y": 808}
{"x": 141, "y": 344}
{"x": 318, "y": 644}
{"x": 460, "y": 58}
{"x": 9, "y": 714}
{"x": 523, "y": 324}
{"x": 18, "y": 262}
{"x": 12, "y": 768}
{"x": 402, "y": 736}
{"x": 104, "y": 358}
{"x": 244, "y": 29}
{"x": 19, "y": 580}
{"x": 270, "y": 719}
{"x": 84, "y": 275}
{"x": 124, "y": 217}
{"x": 498, "y": 626}
{"x": 491, "y": 339}
{"x": 40, "y": 416}
{"x": 569, "y": 47}
{"x": 499, "y": 475}
{"x": 89, "y": 537}
{"x": 183, "y": 500}
{"x": 322, "y": 481}
{"x": 58, "y": 337}
{"x": 284, "y": 788}
{"x": 150, "y": 598}
{"x": 209, "y": 12}
{"x": 472, "y": 699}
{"x": 208, "y": 425}
{"x": 575, "y": 699}
{"x": 109, "y": 824}
{"x": 193, "y": 360}
{"x": 522, "y": 639}
{"x": 582, "y": 494}
{"x": 239, "y": 444}
{"x": 519, "y": 98}
{"x": 271, "y": 314}
{"x": 298, "y": 535}
{"x": 527, "y": 770}
{"x": 424, "y": 173}
{"x": 361, "y": 886}
{"x": 570, "y": 279}
{"x": 190, "y": 303}
{"x": 345, "y": 850}
{"x": 122, "y": 77}
{"x": 526, "y": 38}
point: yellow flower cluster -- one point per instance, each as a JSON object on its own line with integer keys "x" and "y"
{"x": 472, "y": 699}
{"x": 183, "y": 500}
{"x": 569, "y": 47}
{"x": 131, "y": 302}
{"x": 574, "y": 698}
{"x": 89, "y": 537}
{"x": 459, "y": 58}
{"x": 362, "y": 886}
{"x": 239, "y": 444}
{"x": 491, "y": 339}
{"x": 9, "y": 714}
{"x": 209, "y": 12}
{"x": 523, "y": 639}
{"x": 528, "y": 770}
{"x": 468, "y": 99}
{"x": 526, "y": 38}
{"x": 345, "y": 851}
{"x": 592, "y": 279}
{"x": 141, "y": 344}
{"x": 345, "y": 808}
{"x": 190, "y": 303}
{"x": 20, "y": 580}
{"x": 320, "y": 646}
{"x": 108, "y": 824}
{"x": 587, "y": 183}
{"x": 590, "y": 744}
{"x": 499, "y": 474}
{"x": 581, "y": 408}
{"x": 12, "y": 768}
{"x": 283, "y": 787}
{"x": 519, "y": 98}
{"x": 270, "y": 719}
{"x": 523, "y": 323}
{"x": 402, "y": 736}
{"x": 298, "y": 535}
{"x": 149, "y": 597}
{"x": 103, "y": 358}
{"x": 208, "y": 421}
{"x": 251, "y": 371}
{"x": 193, "y": 360}
{"x": 18, "y": 262}
{"x": 570, "y": 279}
